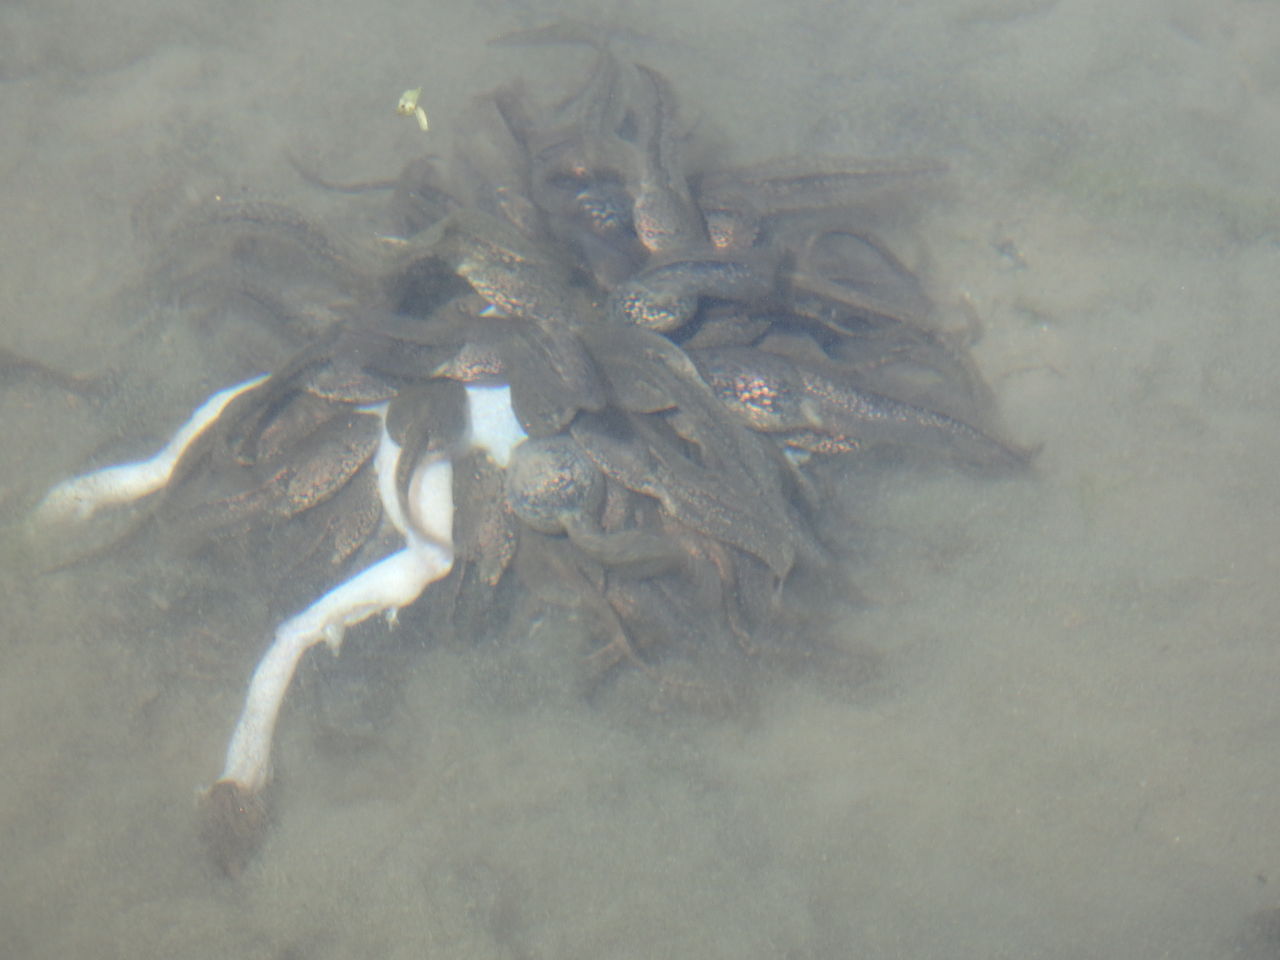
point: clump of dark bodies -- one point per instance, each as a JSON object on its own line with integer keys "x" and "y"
{"x": 695, "y": 352}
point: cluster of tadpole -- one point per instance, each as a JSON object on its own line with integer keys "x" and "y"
{"x": 584, "y": 364}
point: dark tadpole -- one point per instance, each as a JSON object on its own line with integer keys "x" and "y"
{"x": 15, "y": 368}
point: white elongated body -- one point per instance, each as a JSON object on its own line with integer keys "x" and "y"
{"x": 387, "y": 586}
{"x": 79, "y": 498}
{"x": 390, "y": 584}
{"x": 425, "y": 520}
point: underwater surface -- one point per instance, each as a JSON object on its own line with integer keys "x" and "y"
{"x": 1054, "y": 734}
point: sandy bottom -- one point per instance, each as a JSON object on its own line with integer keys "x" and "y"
{"x": 1068, "y": 746}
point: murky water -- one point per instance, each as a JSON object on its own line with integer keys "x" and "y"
{"x": 1068, "y": 745}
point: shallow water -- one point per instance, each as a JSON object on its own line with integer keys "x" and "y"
{"x": 1068, "y": 746}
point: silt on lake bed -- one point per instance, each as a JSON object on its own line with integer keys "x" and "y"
{"x": 582, "y": 367}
